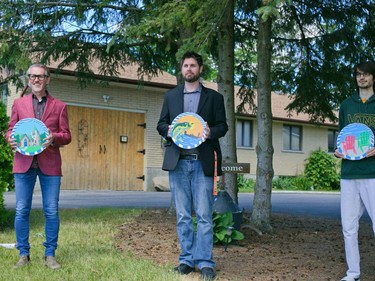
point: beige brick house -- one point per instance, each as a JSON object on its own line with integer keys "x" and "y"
{"x": 294, "y": 138}
{"x": 115, "y": 144}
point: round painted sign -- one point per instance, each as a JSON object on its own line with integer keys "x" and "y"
{"x": 355, "y": 140}
{"x": 29, "y": 134}
{"x": 188, "y": 130}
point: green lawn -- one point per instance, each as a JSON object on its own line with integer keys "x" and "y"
{"x": 86, "y": 250}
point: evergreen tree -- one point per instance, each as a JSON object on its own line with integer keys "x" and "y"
{"x": 315, "y": 45}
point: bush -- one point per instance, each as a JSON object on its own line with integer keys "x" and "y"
{"x": 303, "y": 183}
{"x": 291, "y": 183}
{"x": 245, "y": 184}
{"x": 6, "y": 162}
{"x": 283, "y": 183}
{"x": 321, "y": 171}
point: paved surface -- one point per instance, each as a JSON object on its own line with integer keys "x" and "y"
{"x": 326, "y": 205}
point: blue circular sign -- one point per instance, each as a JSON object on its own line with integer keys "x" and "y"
{"x": 355, "y": 140}
{"x": 29, "y": 134}
{"x": 188, "y": 130}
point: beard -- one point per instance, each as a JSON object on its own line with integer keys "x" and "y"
{"x": 191, "y": 78}
{"x": 365, "y": 86}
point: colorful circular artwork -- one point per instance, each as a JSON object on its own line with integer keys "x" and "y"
{"x": 29, "y": 134}
{"x": 355, "y": 140}
{"x": 188, "y": 130}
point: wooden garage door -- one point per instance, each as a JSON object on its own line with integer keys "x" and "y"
{"x": 98, "y": 158}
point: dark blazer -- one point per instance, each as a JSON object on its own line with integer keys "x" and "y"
{"x": 55, "y": 117}
{"x": 211, "y": 109}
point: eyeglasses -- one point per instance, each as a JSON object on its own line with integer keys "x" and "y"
{"x": 40, "y": 77}
{"x": 364, "y": 74}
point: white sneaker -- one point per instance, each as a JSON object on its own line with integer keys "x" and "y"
{"x": 347, "y": 278}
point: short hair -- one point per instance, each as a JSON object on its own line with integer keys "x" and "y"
{"x": 46, "y": 73}
{"x": 193, "y": 55}
{"x": 367, "y": 67}
{"x": 46, "y": 70}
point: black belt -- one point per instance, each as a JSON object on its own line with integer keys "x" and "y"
{"x": 189, "y": 157}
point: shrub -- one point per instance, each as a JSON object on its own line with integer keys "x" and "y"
{"x": 321, "y": 171}
{"x": 283, "y": 183}
{"x": 303, "y": 183}
{"x": 6, "y": 160}
{"x": 245, "y": 184}
{"x": 291, "y": 183}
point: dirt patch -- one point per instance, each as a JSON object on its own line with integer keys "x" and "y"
{"x": 300, "y": 248}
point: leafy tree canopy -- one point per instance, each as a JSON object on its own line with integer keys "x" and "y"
{"x": 315, "y": 43}
{"x": 71, "y": 32}
{"x": 315, "y": 47}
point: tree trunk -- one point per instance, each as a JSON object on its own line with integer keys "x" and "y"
{"x": 261, "y": 214}
{"x": 226, "y": 88}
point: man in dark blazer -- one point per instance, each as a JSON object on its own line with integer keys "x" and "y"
{"x": 192, "y": 171}
{"x": 46, "y": 166}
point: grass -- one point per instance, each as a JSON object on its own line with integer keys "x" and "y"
{"x": 86, "y": 250}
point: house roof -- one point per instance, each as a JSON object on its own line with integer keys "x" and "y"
{"x": 165, "y": 80}
{"x": 278, "y": 103}
{"x": 127, "y": 75}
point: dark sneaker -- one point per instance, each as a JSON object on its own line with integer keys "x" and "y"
{"x": 23, "y": 261}
{"x": 51, "y": 263}
{"x": 207, "y": 273}
{"x": 184, "y": 269}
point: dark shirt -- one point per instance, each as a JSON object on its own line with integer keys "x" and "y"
{"x": 39, "y": 106}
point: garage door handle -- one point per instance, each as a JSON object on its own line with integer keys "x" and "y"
{"x": 100, "y": 149}
{"x": 104, "y": 149}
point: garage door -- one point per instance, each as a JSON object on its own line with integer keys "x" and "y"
{"x": 106, "y": 152}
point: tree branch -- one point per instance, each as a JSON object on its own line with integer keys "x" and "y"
{"x": 86, "y": 5}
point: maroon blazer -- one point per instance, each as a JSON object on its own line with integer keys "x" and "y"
{"x": 55, "y": 117}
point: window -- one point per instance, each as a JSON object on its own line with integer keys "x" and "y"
{"x": 244, "y": 133}
{"x": 292, "y": 137}
{"x": 332, "y": 138}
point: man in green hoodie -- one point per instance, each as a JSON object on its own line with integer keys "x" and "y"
{"x": 357, "y": 177}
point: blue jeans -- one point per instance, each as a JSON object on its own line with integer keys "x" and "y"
{"x": 190, "y": 187}
{"x": 50, "y": 186}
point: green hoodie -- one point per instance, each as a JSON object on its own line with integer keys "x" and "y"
{"x": 353, "y": 110}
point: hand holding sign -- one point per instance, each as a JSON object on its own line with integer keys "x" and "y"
{"x": 354, "y": 141}
{"x": 188, "y": 130}
{"x": 29, "y": 135}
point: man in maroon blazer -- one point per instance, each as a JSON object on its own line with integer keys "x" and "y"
{"x": 46, "y": 166}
